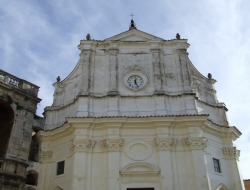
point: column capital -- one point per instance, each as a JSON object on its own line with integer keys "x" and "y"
{"x": 231, "y": 152}
{"x": 112, "y": 145}
{"x": 165, "y": 143}
{"x": 45, "y": 156}
{"x": 195, "y": 143}
{"x": 79, "y": 145}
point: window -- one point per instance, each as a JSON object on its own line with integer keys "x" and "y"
{"x": 216, "y": 165}
{"x": 31, "y": 177}
{"x": 60, "y": 168}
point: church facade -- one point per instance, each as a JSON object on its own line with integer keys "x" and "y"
{"x": 136, "y": 114}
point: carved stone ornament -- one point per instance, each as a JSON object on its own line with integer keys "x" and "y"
{"x": 82, "y": 145}
{"x": 196, "y": 143}
{"x": 112, "y": 145}
{"x": 44, "y": 156}
{"x": 231, "y": 152}
{"x": 165, "y": 144}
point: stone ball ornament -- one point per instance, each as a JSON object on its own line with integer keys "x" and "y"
{"x": 135, "y": 80}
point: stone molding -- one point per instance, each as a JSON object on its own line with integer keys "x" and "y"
{"x": 195, "y": 143}
{"x": 231, "y": 152}
{"x": 112, "y": 145}
{"x": 165, "y": 143}
{"x": 82, "y": 145}
{"x": 45, "y": 156}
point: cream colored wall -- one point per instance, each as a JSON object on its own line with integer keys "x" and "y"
{"x": 165, "y": 153}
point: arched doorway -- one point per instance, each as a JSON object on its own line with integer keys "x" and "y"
{"x": 6, "y": 123}
{"x": 31, "y": 177}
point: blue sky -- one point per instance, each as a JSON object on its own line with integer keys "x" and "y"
{"x": 38, "y": 42}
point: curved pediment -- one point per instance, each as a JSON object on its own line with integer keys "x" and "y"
{"x": 140, "y": 172}
{"x": 140, "y": 168}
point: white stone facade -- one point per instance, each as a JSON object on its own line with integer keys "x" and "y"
{"x": 164, "y": 133}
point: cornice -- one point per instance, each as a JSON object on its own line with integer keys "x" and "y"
{"x": 221, "y": 131}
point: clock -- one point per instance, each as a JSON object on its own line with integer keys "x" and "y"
{"x": 135, "y": 82}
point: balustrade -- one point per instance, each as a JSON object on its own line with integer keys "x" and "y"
{"x": 18, "y": 83}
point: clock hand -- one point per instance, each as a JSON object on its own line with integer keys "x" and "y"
{"x": 136, "y": 83}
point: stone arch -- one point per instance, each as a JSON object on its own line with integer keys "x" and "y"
{"x": 221, "y": 187}
{"x": 6, "y": 124}
{"x": 31, "y": 177}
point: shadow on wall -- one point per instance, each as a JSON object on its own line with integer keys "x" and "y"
{"x": 6, "y": 123}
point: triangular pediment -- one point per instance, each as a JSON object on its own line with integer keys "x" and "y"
{"x": 134, "y": 35}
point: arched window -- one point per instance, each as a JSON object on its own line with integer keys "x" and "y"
{"x": 31, "y": 177}
{"x": 6, "y": 123}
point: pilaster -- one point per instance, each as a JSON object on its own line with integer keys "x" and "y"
{"x": 112, "y": 145}
{"x": 185, "y": 73}
{"x": 86, "y": 56}
{"x": 165, "y": 144}
{"x": 197, "y": 146}
{"x": 113, "y": 66}
{"x": 157, "y": 69}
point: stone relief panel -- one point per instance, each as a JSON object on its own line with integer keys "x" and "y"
{"x": 138, "y": 150}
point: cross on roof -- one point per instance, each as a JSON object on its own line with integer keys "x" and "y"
{"x": 132, "y": 15}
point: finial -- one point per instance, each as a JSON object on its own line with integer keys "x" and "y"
{"x": 178, "y": 37}
{"x": 209, "y": 76}
{"x": 132, "y": 23}
{"x": 88, "y": 37}
{"x": 58, "y": 79}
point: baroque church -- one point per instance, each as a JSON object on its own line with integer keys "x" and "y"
{"x": 134, "y": 114}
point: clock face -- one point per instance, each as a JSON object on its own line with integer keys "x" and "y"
{"x": 135, "y": 82}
